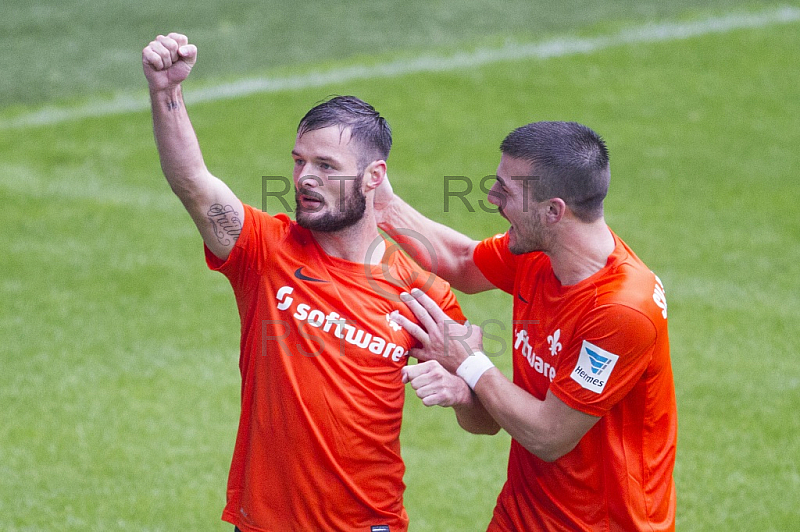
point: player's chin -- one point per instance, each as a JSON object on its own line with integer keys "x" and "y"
{"x": 515, "y": 246}
{"x": 306, "y": 219}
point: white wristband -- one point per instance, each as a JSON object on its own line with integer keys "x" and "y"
{"x": 473, "y": 367}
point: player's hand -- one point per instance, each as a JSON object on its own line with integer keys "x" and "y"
{"x": 168, "y": 60}
{"x": 382, "y": 200}
{"x": 443, "y": 339}
{"x": 435, "y": 385}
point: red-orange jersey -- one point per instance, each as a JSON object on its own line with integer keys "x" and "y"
{"x": 601, "y": 346}
{"x": 318, "y": 442}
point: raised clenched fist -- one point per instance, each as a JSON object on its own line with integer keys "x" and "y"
{"x": 168, "y": 60}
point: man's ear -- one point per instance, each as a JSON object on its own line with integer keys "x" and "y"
{"x": 374, "y": 174}
{"x": 556, "y": 208}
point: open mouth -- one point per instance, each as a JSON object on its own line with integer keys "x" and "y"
{"x": 511, "y": 225}
{"x": 309, "y": 201}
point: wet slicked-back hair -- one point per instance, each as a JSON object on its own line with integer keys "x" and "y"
{"x": 568, "y": 161}
{"x": 368, "y": 129}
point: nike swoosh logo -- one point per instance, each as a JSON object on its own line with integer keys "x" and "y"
{"x": 300, "y": 275}
{"x": 522, "y": 298}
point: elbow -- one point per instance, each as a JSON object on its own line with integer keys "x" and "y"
{"x": 484, "y": 429}
{"x": 549, "y": 451}
{"x": 476, "y": 420}
{"x": 549, "y": 456}
{"x": 467, "y": 277}
{"x": 468, "y": 281}
{"x": 491, "y": 431}
{"x": 466, "y": 288}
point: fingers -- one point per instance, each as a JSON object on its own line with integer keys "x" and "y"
{"x": 434, "y": 385}
{"x": 163, "y": 52}
{"x": 414, "y": 303}
{"x": 412, "y": 328}
{"x": 433, "y": 318}
{"x": 157, "y": 54}
{"x": 179, "y": 38}
{"x": 413, "y": 372}
{"x": 468, "y": 335}
{"x": 434, "y": 399}
{"x": 167, "y": 49}
{"x": 429, "y": 304}
{"x": 188, "y": 53}
{"x": 423, "y": 379}
{"x": 152, "y": 56}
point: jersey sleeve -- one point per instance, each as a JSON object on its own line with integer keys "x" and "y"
{"x": 449, "y": 304}
{"x": 606, "y": 360}
{"x": 440, "y": 292}
{"x": 496, "y": 262}
{"x": 261, "y": 232}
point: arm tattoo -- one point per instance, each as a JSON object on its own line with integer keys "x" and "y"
{"x": 225, "y": 222}
{"x": 173, "y": 105}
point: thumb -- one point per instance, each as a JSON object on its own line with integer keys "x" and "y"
{"x": 188, "y": 53}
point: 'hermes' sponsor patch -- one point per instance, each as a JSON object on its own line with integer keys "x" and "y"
{"x": 594, "y": 367}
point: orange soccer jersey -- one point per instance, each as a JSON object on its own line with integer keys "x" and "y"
{"x": 318, "y": 443}
{"x": 601, "y": 346}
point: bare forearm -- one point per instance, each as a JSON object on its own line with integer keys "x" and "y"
{"x": 549, "y": 429}
{"x": 178, "y": 148}
{"x": 474, "y": 418}
{"x": 503, "y": 402}
{"x": 436, "y": 247}
{"x": 214, "y": 208}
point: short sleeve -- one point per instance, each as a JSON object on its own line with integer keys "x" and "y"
{"x": 496, "y": 262}
{"x": 449, "y": 304}
{"x": 439, "y": 291}
{"x": 261, "y": 232}
{"x": 609, "y": 355}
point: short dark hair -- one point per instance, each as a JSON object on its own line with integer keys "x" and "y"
{"x": 368, "y": 129}
{"x": 569, "y": 161}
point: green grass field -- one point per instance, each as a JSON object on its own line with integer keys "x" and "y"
{"x": 119, "y": 379}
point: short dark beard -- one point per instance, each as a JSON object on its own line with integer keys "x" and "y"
{"x": 351, "y": 211}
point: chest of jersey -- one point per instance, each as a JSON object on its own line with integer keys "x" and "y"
{"x": 316, "y": 309}
{"x": 544, "y": 325}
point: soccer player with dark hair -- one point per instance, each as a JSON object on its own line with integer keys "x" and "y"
{"x": 322, "y": 394}
{"x": 591, "y": 409}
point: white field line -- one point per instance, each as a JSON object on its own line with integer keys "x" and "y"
{"x": 559, "y": 47}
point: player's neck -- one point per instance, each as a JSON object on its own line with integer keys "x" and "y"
{"x": 581, "y": 252}
{"x": 360, "y": 243}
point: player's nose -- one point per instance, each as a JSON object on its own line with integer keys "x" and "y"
{"x": 494, "y": 196}
{"x": 308, "y": 181}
